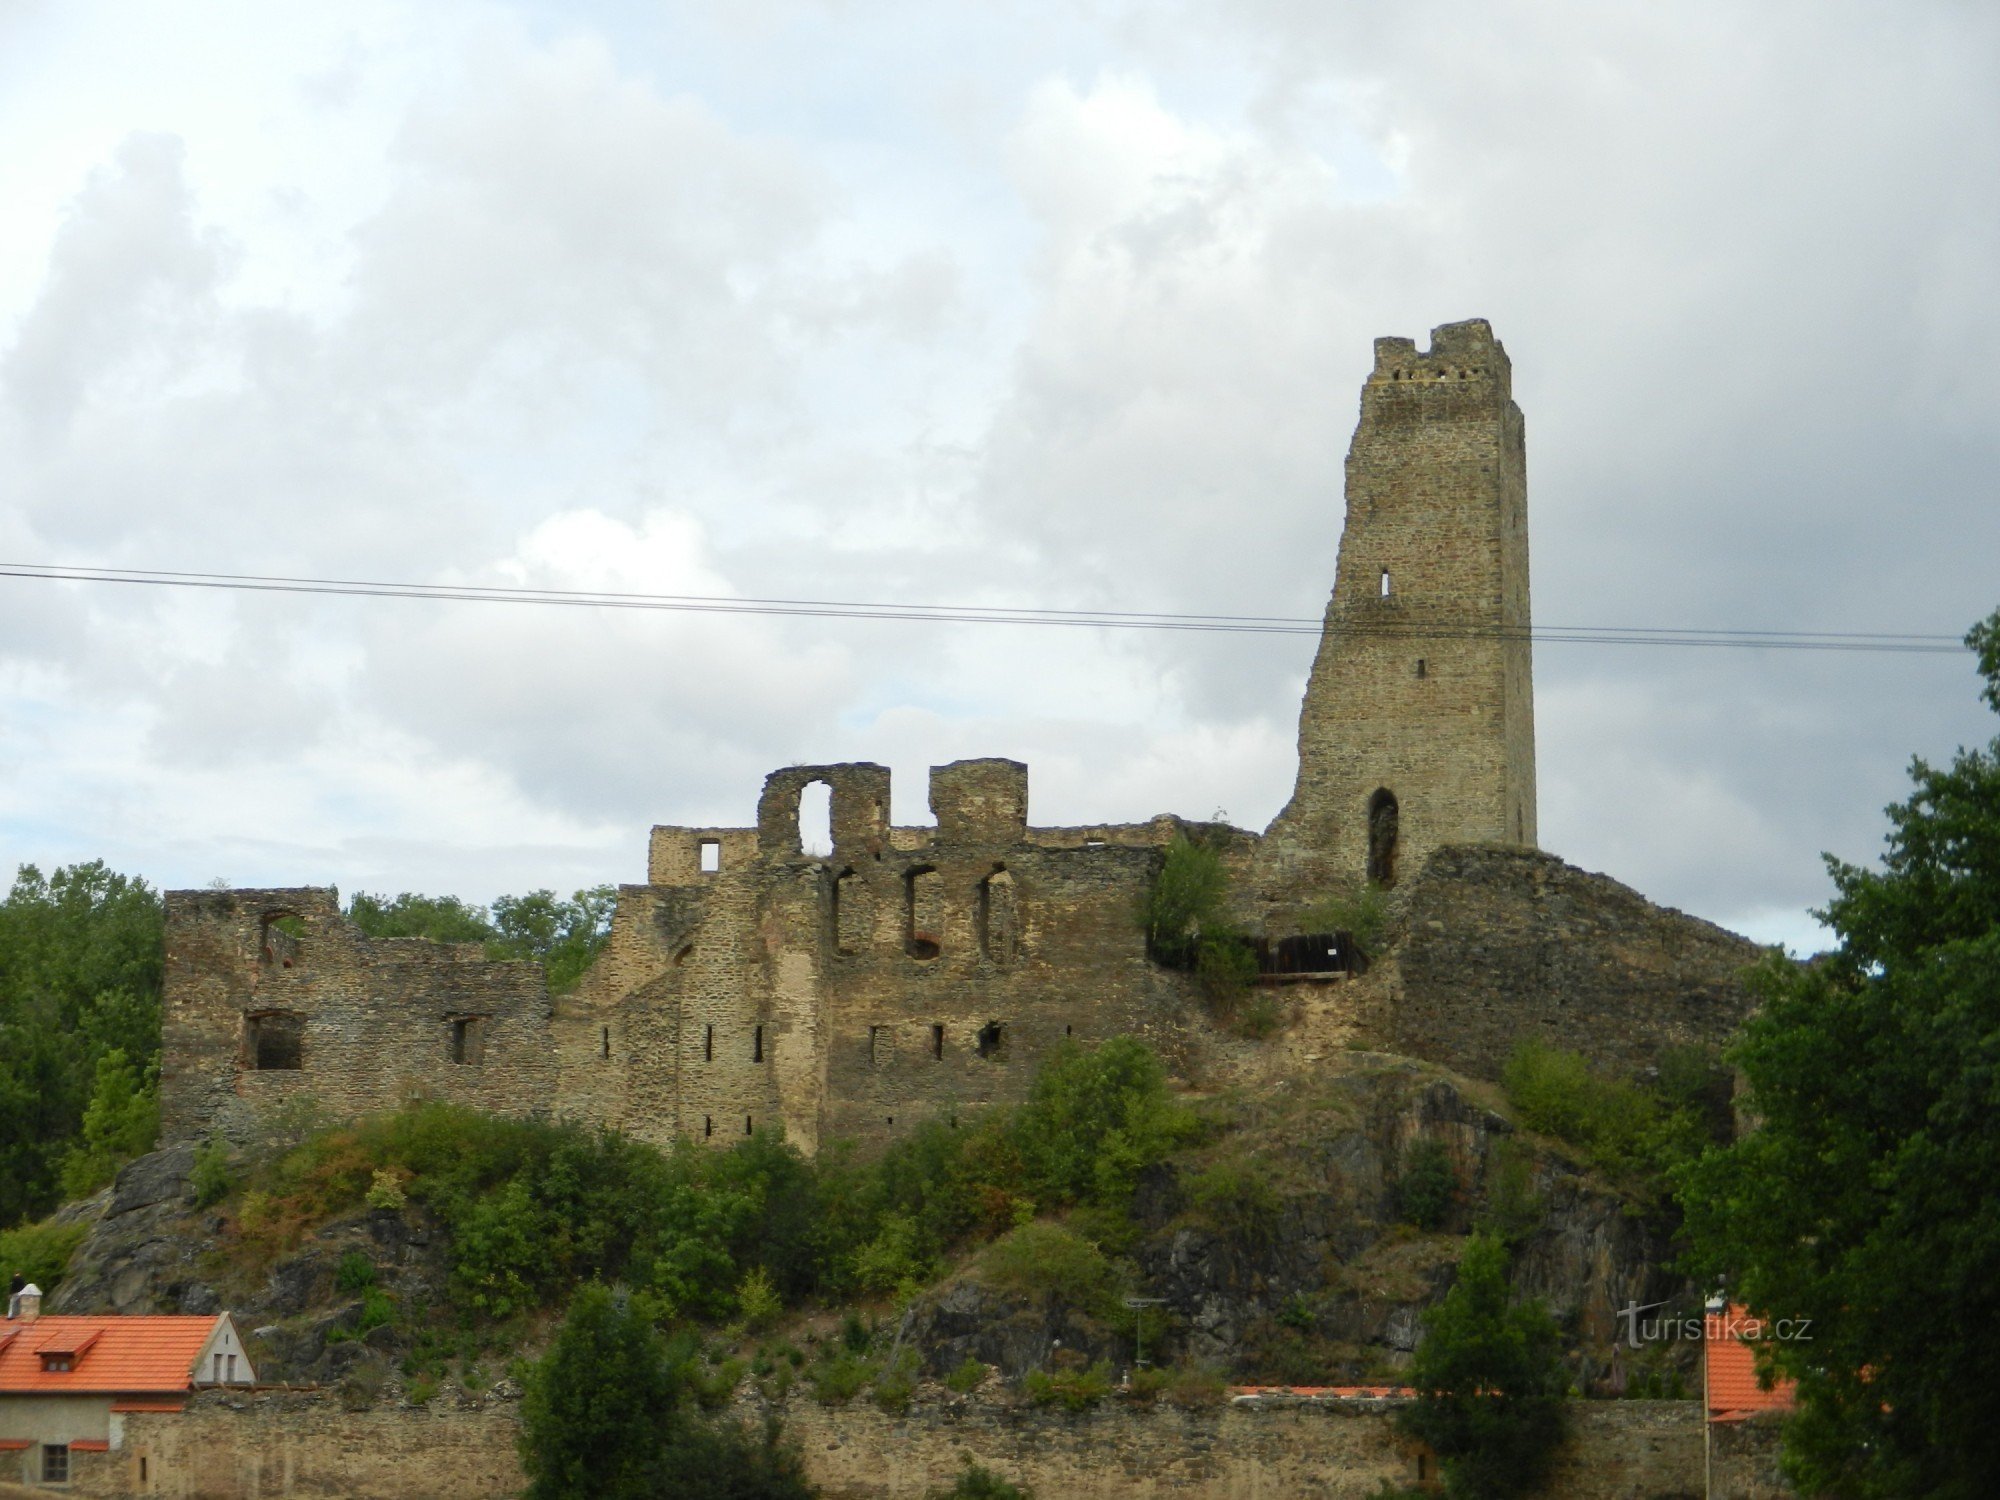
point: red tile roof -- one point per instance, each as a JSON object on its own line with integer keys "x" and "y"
{"x": 1729, "y": 1347}
{"x": 89, "y": 1445}
{"x": 108, "y": 1353}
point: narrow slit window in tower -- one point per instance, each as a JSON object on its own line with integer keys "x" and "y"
{"x": 748, "y": 1127}
{"x": 874, "y": 1045}
{"x": 757, "y": 1045}
{"x": 1384, "y": 831}
{"x": 707, "y": 1126}
{"x": 605, "y": 1042}
{"x": 937, "y": 1042}
{"x": 708, "y": 1044}
{"x": 1385, "y": 583}
{"x": 1420, "y": 667}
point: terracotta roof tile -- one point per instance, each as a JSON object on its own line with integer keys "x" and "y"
{"x": 1730, "y": 1351}
{"x": 107, "y": 1353}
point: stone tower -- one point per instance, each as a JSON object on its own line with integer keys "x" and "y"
{"x": 1418, "y": 726}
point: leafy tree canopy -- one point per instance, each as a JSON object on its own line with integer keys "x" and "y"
{"x": 564, "y": 936}
{"x": 80, "y": 965}
{"x": 1490, "y": 1382}
{"x": 609, "y": 1415}
{"x": 1863, "y": 1201}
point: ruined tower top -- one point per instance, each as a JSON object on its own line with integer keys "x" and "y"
{"x": 1458, "y": 352}
{"x": 1418, "y": 723}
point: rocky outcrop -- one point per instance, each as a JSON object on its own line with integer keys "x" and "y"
{"x": 1314, "y": 1277}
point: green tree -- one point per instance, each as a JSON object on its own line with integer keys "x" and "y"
{"x": 80, "y": 967}
{"x": 598, "y": 1404}
{"x": 442, "y": 919}
{"x": 1863, "y": 1202}
{"x": 565, "y": 935}
{"x": 121, "y": 1122}
{"x": 1491, "y": 1388}
{"x": 609, "y": 1415}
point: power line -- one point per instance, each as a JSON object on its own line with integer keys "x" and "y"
{"x": 1430, "y": 629}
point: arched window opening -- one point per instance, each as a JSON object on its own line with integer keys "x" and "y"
{"x": 923, "y": 912}
{"x": 816, "y": 819}
{"x": 278, "y": 937}
{"x": 1383, "y": 835}
{"x": 999, "y": 916}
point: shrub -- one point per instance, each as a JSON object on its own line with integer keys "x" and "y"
{"x": 1514, "y": 1210}
{"x": 355, "y": 1272}
{"x": 1362, "y": 914}
{"x": 1620, "y": 1127}
{"x": 1047, "y": 1260}
{"x": 39, "y": 1253}
{"x": 211, "y": 1177}
{"x": 1093, "y": 1120}
{"x": 1427, "y": 1186}
{"x": 978, "y": 1483}
{"x": 838, "y": 1378}
{"x": 1238, "y": 1198}
{"x": 1193, "y": 1386}
{"x": 1186, "y": 898}
{"x": 967, "y": 1377}
{"x": 1072, "y": 1390}
{"x": 757, "y": 1299}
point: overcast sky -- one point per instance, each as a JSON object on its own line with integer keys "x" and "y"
{"x": 1063, "y": 305}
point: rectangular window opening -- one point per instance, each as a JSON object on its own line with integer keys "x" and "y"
{"x": 937, "y": 1043}
{"x": 748, "y": 1129}
{"x": 1420, "y": 666}
{"x": 468, "y": 1040}
{"x": 142, "y": 1468}
{"x": 232, "y": 1369}
{"x": 276, "y": 1042}
{"x": 757, "y": 1046}
{"x": 707, "y": 1126}
{"x": 605, "y": 1042}
{"x": 708, "y": 1044}
{"x": 55, "y": 1463}
{"x": 711, "y": 856}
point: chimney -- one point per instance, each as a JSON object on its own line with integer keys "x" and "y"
{"x": 26, "y": 1304}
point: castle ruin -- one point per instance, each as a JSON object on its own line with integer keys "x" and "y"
{"x": 920, "y": 972}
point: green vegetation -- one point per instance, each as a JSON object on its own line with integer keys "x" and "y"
{"x": 1073, "y": 1386}
{"x": 1185, "y": 914}
{"x": 1362, "y": 914}
{"x": 121, "y": 1121}
{"x": 1427, "y": 1185}
{"x": 1635, "y": 1134}
{"x": 565, "y": 936}
{"x": 39, "y": 1253}
{"x": 610, "y": 1413}
{"x": 978, "y": 1483}
{"x": 1490, "y": 1383}
{"x": 80, "y": 966}
{"x": 1863, "y": 1201}
{"x": 534, "y": 1208}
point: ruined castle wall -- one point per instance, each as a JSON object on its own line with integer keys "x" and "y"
{"x": 1422, "y": 685}
{"x": 1496, "y": 945}
{"x": 278, "y": 1445}
{"x": 257, "y": 1021}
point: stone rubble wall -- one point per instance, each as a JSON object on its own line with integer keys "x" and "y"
{"x": 278, "y": 1445}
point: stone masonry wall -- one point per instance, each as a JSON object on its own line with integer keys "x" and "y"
{"x": 301, "y": 1444}
{"x": 373, "y": 1023}
{"x": 1497, "y": 945}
